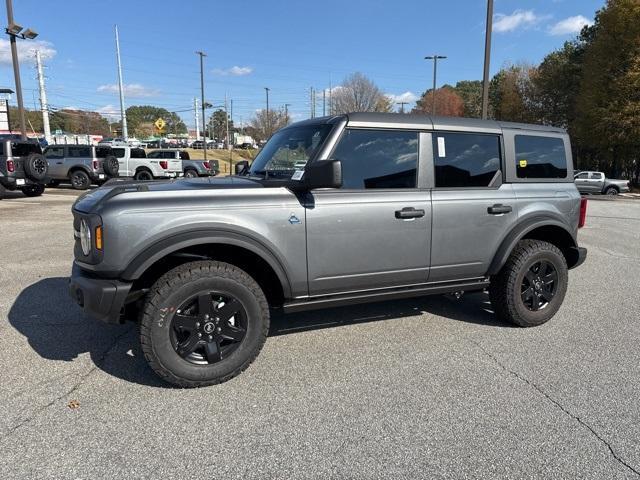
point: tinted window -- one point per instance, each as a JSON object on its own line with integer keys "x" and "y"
{"x": 54, "y": 152}
{"x": 137, "y": 153}
{"x": 154, "y": 155}
{"x": 22, "y": 149}
{"x": 118, "y": 152}
{"x": 378, "y": 159}
{"x": 465, "y": 160}
{"x": 77, "y": 152}
{"x": 184, "y": 155}
{"x": 583, "y": 175}
{"x": 2, "y": 148}
{"x": 169, "y": 155}
{"x": 540, "y": 157}
{"x": 597, "y": 176}
{"x": 102, "y": 152}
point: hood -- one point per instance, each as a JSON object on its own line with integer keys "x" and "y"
{"x": 90, "y": 200}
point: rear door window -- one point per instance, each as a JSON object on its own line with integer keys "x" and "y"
{"x": 465, "y": 159}
{"x": 79, "y": 152}
{"x": 137, "y": 153}
{"x": 184, "y": 155}
{"x": 154, "y": 155}
{"x": 597, "y": 176}
{"x": 540, "y": 157}
{"x": 54, "y": 152}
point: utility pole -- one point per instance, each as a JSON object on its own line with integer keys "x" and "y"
{"x": 324, "y": 102}
{"x": 268, "y": 132}
{"x": 204, "y": 118}
{"x": 402, "y": 104}
{"x": 311, "y": 115}
{"x": 43, "y": 99}
{"x": 286, "y": 112}
{"x": 435, "y": 59}
{"x": 195, "y": 114}
{"x": 226, "y": 117}
{"x": 123, "y": 113}
{"x": 13, "y": 30}
{"x": 487, "y": 60}
{"x": 330, "y": 103}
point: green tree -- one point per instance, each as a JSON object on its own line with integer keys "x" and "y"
{"x": 512, "y": 94}
{"x": 218, "y": 124}
{"x": 140, "y": 114}
{"x": 609, "y": 100}
{"x": 470, "y": 91}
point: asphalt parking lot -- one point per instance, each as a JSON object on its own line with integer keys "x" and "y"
{"x": 424, "y": 388}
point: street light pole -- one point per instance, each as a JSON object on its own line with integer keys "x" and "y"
{"x": 487, "y": 60}
{"x": 13, "y": 30}
{"x": 204, "y": 118}
{"x": 435, "y": 59}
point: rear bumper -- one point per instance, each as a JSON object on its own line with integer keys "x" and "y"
{"x": 578, "y": 256}
{"x": 11, "y": 183}
{"x": 102, "y": 299}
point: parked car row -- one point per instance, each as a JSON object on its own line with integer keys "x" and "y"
{"x": 84, "y": 165}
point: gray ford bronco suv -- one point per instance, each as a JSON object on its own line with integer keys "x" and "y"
{"x": 333, "y": 211}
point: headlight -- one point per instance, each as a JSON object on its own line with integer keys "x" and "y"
{"x": 85, "y": 237}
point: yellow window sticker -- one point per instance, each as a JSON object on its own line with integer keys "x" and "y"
{"x": 523, "y": 163}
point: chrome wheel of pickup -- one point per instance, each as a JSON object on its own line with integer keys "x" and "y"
{"x": 208, "y": 327}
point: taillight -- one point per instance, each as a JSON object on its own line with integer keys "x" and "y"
{"x": 96, "y": 165}
{"x": 164, "y": 164}
{"x": 10, "y": 166}
{"x": 583, "y": 212}
{"x": 206, "y": 164}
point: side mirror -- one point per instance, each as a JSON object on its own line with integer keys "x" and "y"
{"x": 242, "y": 167}
{"x": 323, "y": 174}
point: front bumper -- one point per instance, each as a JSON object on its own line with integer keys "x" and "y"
{"x": 102, "y": 299}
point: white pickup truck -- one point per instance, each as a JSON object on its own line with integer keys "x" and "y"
{"x": 134, "y": 163}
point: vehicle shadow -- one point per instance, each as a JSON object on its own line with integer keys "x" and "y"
{"x": 58, "y": 330}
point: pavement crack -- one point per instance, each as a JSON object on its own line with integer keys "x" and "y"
{"x": 558, "y": 405}
{"x": 68, "y": 392}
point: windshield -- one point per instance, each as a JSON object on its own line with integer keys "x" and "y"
{"x": 289, "y": 150}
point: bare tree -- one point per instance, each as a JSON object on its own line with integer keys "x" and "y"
{"x": 359, "y": 94}
{"x": 263, "y": 126}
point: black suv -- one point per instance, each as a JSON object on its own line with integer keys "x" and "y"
{"x": 22, "y": 167}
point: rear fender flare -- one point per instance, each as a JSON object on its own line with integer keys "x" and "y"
{"x": 518, "y": 233}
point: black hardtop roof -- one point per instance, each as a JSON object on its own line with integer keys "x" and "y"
{"x": 413, "y": 120}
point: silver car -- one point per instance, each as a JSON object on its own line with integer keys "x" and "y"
{"x": 81, "y": 165}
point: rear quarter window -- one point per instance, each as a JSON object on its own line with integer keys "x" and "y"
{"x": 540, "y": 157}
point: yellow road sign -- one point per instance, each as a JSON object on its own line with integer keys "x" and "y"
{"x": 160, "y": 123}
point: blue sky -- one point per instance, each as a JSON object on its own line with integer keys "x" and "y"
{"x": 287, "y": 46}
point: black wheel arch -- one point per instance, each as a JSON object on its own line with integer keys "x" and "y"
{"x": 243, "y": 251}
{"x": 548, "y": 229}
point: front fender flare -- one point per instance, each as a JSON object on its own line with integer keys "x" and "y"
{"x": 174, "y": 243}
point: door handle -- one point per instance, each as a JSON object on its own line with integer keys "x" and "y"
{"x": 498, "y": 209}
{"x": 409, "y": 212}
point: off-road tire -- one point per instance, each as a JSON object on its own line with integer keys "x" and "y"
{"x": 611, "y": 191}
{"x": 178, "y": 285}
{"x": 36, "y": 167}
{"x": 190, "y": 173}
{"x": 143, "y": 176}
{"x": 33, "y": 190}
{"x": 80, "y": 180}
{"x": 111, "y": 166}
{"x": 505, "y": 288}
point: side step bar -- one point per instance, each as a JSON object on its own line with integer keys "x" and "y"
{"x": 382, "y": 295}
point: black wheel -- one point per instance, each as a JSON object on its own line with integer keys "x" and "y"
{"x": 531, "y": 286}
{"x": 80, "y": 180}
{"x": 111, "y": 166}
{"x": 611, "y": 191}
{"x": 203, "y": 323}
{"x": 190, "y": 173}
{"x": 143, "y": 176}
{"x": 33, "y": 190}
{"x": 36, "y": 167}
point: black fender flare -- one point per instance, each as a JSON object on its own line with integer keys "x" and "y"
{"x": 174, "y": 243}
{"x": 518, "y": 232}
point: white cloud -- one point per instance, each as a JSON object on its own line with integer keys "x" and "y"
{"x": 109, "y": 111}
{"x": 26, "y": 51}
{"x": 570, "y": 25}
{"x": 519, "y": 19}
{"x": 408, "y": 97}
{"x": 234, "y": 71}
{"x": 130, "y": 90}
